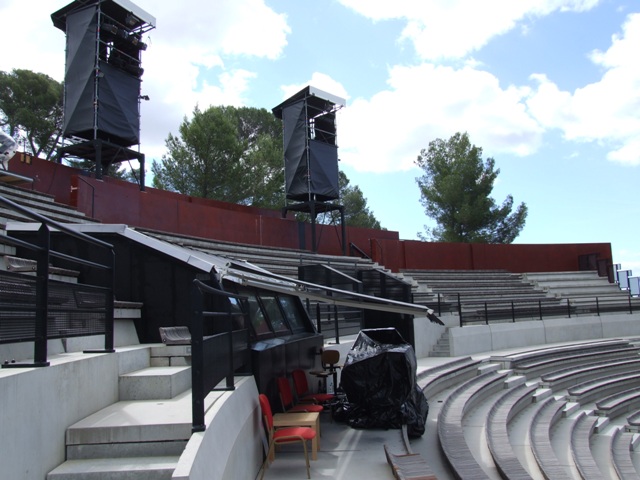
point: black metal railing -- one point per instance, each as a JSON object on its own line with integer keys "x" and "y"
{"x": 215, "y": 358}
{"x": 335, "y": 321}
{"x": 38, "y": 309}
{"x": 518, "y": 310}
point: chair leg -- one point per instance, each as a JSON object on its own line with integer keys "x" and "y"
{"x": 265, "y": 464}
{"x": 306, "y": 457}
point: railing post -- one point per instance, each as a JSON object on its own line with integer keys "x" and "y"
{"x": 335, "y": 320}
{"x": 439, "y": 305}
{"x": 513, "y": 312}
{"x": 109, "y": 321}
{"x": 486, "y": 313}
{"x": 540, "y": 308}
{"x": 459, "y": 309}
{"x": 197, "y": 362}
{"x": 230, "y": 379}
{"x": 630, "y": 304}
{"x": 318, "y": 318}
{"x": 42, "y": 296}
{"x": 569, "y": 307}
{"x": 597, "y": 306}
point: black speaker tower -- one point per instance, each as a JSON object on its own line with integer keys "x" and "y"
{"x": 311, "y": 155}
{"x": 102, "y": 80}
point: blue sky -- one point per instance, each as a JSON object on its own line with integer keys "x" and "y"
{"x": 548, "y": 88}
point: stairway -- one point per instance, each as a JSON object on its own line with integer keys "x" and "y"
{"x": 442, "y": 348}
{"x": 140, "y": 437}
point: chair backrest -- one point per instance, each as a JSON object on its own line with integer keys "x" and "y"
{"x": 286, "y": 395}
{"x": 265, "y": 406}
{"x": 330, "y": 357}
{"x": 300, "y": 382}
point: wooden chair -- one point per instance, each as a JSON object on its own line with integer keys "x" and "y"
{"x": 302, "y": 389}
{"x": 283, "y": 435}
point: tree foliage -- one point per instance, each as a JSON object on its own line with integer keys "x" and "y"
{"x": 225, "y": 153}
{"x": 455, "y": 191}
{"x": 31, "y": 110}
{"x": 356, "y": 211}
{"x": 236, "y": 155}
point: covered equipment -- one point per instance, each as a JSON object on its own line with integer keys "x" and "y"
{"x": 379, "y": 380}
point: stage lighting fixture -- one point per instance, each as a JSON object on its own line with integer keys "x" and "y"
{"x": 130, "y": 20}
{"x": 137, "y": 42}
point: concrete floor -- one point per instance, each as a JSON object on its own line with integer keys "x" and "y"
{"x": 345, "y": 453}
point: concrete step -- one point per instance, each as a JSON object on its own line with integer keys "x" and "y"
{"x": 154, "y": 383}
{"x": 124, "y": 450}
{"x": 140, "y": 468}
{"x": 135, "y": 421}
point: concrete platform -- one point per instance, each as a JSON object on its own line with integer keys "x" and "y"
{"x": 346, "y": 453}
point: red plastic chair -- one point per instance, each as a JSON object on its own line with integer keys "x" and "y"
{"x": 286, "y": 398}
{"x": 302, "y": 389}
{"x": 283, "y": 435}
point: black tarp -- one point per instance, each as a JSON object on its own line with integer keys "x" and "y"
{"x": 115, "y": 116}
{"x": 311, "y": 166}
{"x": 379, "y": 380}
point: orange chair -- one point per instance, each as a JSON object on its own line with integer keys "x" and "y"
{"x": 286, "y": 399}
{"x": 283, "y": 435}
{"x": 302, "y": 389}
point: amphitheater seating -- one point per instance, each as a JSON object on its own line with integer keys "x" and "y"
{"x": 621, "y": 446}
{"x": 571, "y": 376}
{"x": 503, "y": 410}
{"x": 581, "y": 432}
{"x": 619, "y": 403}
{"x": 481, "y": 292}
{"x": 544, "y": 420}
{"x": 592, "y": 390}
{"x": 281, "y": 261}
{"x": 583, "y": 288}
{"x": 450, "y": 430}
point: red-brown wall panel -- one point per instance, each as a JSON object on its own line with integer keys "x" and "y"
{"x": 114, "y": 201}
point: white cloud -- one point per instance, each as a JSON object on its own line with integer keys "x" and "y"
{"x": 422, "y": 103}
{"x": 455, "y": 28}
{"x": 318, "y": 80}
{"x": 607, "y": 111}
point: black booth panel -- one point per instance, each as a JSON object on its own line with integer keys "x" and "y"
{"x": 80, "y": 71}
{"x": 311, "y": 166}
{"x": 101, "y": 100}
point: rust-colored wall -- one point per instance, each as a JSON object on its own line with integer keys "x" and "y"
{"x": 114, "y": 201}
{"x": 516, "y": 258}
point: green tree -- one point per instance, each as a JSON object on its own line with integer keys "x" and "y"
{"x": 31, "y": 110}
{"x": 225, "y": 153}
{"x": 356, "y": 211}
{"x": 455, "y": 191}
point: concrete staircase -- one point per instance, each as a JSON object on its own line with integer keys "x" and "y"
{"x": 442, "y": 348}
{"x": 142, "y": 436}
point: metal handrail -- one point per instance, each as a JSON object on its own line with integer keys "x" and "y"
{"x": 43, "y": 253}
{"x": 203, "y": 381}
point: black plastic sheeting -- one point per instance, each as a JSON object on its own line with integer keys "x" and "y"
{"x": 379, "y": 380}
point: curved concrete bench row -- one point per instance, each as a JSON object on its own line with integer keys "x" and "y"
{"x": 450, "y": 430}
{"x": 504, "y": 409}
{"x": 535, "y": 361}
{"x": 437, "y": 379}
{"x": 542, "y": 423}
{"x": 572, "y": 376}
{"x": 595, "y": 389}
{"x": 619, "y": 403}
{"x": 622, "y": 444}
{"x": 581, "y": 432}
